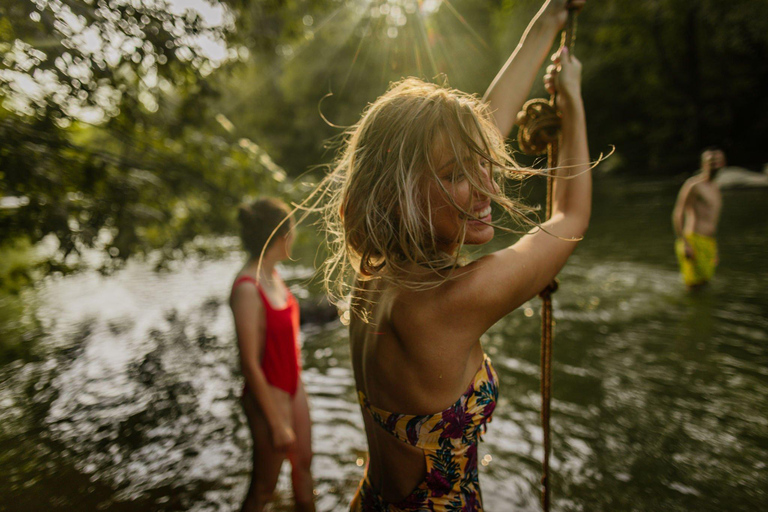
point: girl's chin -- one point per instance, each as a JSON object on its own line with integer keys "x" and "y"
{"x": 483, "y": 237}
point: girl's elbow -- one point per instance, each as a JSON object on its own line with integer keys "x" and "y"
{"x": 587, "y": 219}
{"x": 579, "y": 228}
{"x": 580, "y": 222}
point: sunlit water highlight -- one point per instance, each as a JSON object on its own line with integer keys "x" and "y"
{"x": 127, "y": 398}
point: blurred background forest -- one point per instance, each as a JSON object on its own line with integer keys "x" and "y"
{"x": 134, "y": 127}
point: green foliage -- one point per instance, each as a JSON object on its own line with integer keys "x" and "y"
{"x": 98, "y": 56}
{"x": 118, "y": 131}
{"x": 17, "y": 259}
{"x": 90, "y": 188}
{"x": 353, "y": 51}
{"x": 19, "y": 266}
{"x": 155, "y": 169}
{"x": 662, "y": 78}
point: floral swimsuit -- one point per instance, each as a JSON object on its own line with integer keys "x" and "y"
{"x": 449, "y": 440}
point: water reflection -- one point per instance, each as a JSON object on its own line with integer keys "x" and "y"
{"x": 127, "y": 396}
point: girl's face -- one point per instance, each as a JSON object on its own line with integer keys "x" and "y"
{"x": 447, "y": 221}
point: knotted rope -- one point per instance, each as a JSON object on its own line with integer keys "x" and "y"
{"x": 539, "y": 131}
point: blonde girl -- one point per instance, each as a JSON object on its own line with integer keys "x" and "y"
{"x": 416, "y": 180}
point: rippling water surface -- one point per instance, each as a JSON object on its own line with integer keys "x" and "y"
{"x": 121, "y": 392}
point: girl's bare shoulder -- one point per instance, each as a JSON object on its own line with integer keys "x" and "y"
{"x": 244, "y": 289}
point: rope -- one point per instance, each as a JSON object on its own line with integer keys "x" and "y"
{"x": 539, "y": 131}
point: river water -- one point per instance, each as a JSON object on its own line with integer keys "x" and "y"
{"x": 121, "y": 392}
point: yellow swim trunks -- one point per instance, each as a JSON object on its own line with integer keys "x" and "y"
{"x": 701, "y": 267}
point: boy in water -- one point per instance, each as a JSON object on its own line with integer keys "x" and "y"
{"x": 695, "y": 218}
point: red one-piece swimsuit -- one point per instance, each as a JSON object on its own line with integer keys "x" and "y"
{"x": 280, "y": 361}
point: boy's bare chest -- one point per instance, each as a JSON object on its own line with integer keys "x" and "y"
{"x": 708, "y": 197}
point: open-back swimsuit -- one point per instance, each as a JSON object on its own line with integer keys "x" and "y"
{"x": 280, "y": 362}
{"x": 449, "y": 441}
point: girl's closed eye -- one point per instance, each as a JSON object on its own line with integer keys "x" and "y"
{"x": 456, "y": 176}
{"x": 452, "y": 173}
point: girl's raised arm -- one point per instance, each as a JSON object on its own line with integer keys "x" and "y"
{"x": 498, "y": 283}
{"x": 512, "y": 84}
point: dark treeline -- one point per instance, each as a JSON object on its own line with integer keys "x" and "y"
{"x": 119, "y": 132}
{"x": 663, "y": 78}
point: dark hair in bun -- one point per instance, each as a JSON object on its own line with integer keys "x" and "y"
{"x": 258, "y": 220}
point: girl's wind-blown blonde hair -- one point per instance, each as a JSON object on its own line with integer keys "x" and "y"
{"x": 374, "y": 201}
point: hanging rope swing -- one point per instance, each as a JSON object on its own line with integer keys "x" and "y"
{"x": 539, "y": 124}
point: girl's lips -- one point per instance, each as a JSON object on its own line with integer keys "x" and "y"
{"x": 482, "y": 221}
{"x": 482, "y": 215}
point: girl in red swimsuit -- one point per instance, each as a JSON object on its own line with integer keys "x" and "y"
{"x": 267, "y": 325}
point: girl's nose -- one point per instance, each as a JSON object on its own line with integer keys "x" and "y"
{"x": 489, "y": 182}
